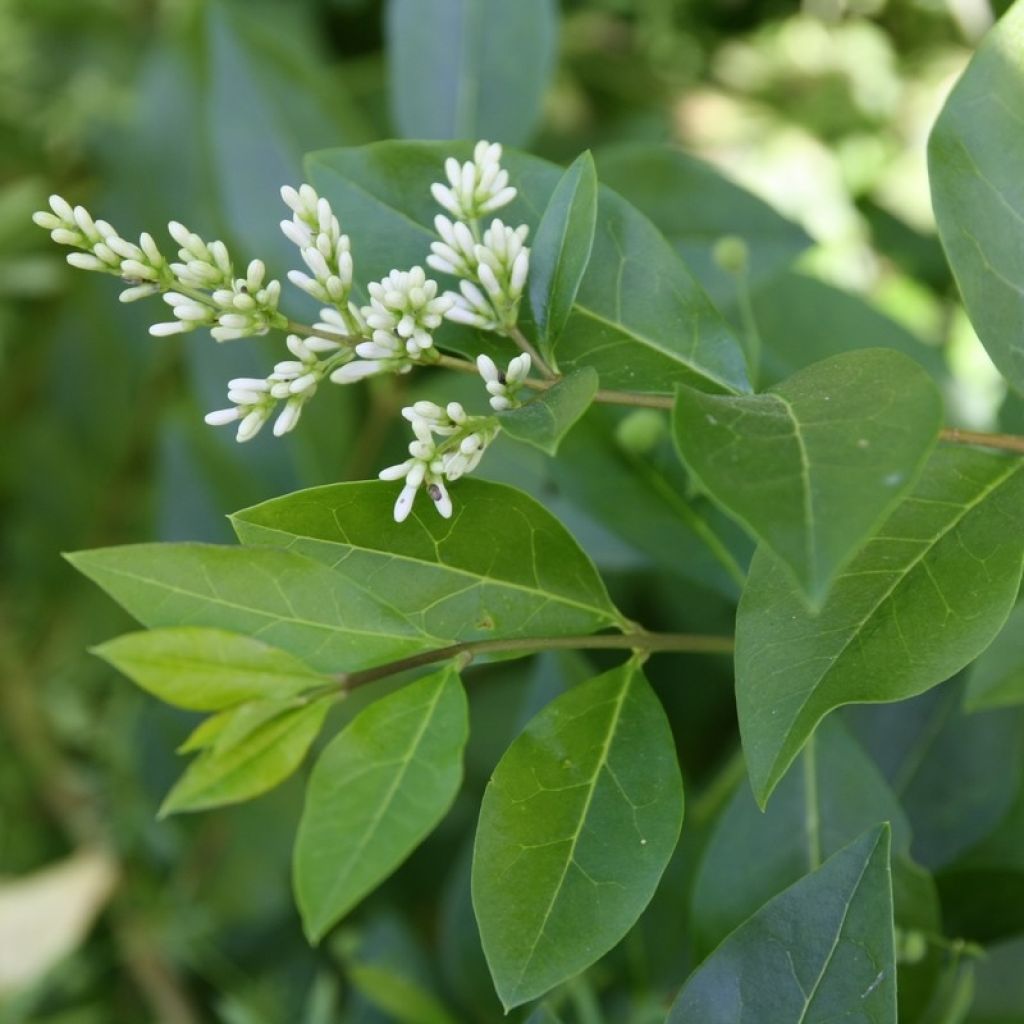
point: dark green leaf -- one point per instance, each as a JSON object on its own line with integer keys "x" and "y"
{"x": 820, "y": 951}
{"x": 267, "y": 747}
{"x": 812, "y": 466}
{"x": 561, "y": 248}
{"x": 576, "y": 828}
{"x": 639, "y": 319}
{"x": 921, "y": 601}
{"x": 503, "y": 566}
{"x": 378, "y": 789}
{"x": 332, "y": 623}
{"x": 997, "y": 678}
{"x": 207, "y": 669}
{"x": 546, "y": 419}
{"x": 470, "y": 69}
{"x": 974, "y": 156}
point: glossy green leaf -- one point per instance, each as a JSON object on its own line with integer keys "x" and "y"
{"x": 922, "y": 600}
{"x": 576, "y": 827}
{"x": 207, "y": 669}
{"x": 821, "y": 951}
{"x": 267, "y": 748}
{"x": 639, "y": 318}
{"x": 997, "y": 678}
{"x": 812, "y": 466}
{"x": 694, "y": 205}
{"x": 334, "y": 624}
{"x": 547, "y": 418}
{"x": 376, "y": 792}
{"x": 824, "y": 802}
{"x": 561, "y": 248}
{"x": 975, "y": 151}
{"x": 448, "y": 577}
{"x": 470, "y": 69}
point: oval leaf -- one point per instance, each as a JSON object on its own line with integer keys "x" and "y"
{"x": 458, "y": 578}
{"x": 812, "y": 466}
{"x": 546, "y": 419}
{"x": 576, "y": 827}
{"x": 920, "y": 602}
{"x": 376, "y": 792}
{"x": 975, "y": 154}
{"x": 467, "y": 69}
{"x": 823, "y": 950}
{"x": 561, "y": 248}
{"x": 207, "y": 669}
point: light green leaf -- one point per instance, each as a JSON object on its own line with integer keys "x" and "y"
{"x": 207, "y": 669}
{"x": 470, "y": 69}
{"x": 824, "y": 802}
{"x": 997, "y": 678}
{"x": 823, "y": 950}
{"x": 576, "y": 827}
{"x": 921, "y": 601}
{"x": 546, "y": 419}
{"x": 561, "y": 248}
{"x": 268, "y": 746}
{"x": 376, "y": 792}
{"x": 448, "y": 577}
{"x": 332, "y": 623}
{"x": 639, "y": 318}
{"x": 812, "y": 466}
{"x": 975, "y": 154}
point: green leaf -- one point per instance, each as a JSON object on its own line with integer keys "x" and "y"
{"x": 561, "y": 248}
{"x": 470, "y": 69}
{"x": 449, "y": 577}
{"x": 821, "y": 951}
{"x": 403, "y": 999}
{"x": 975, "y": 153}
{"x": 921, "y": 601}
{"x": 268, "y": 746}
{"x": 546, "y": 419}
{"x": 543, "y": 1015}
{"x": 576, "y": 827}
{"x": 639, "y": 318}
{"x": 332, "y": 623}
{"x": 694, "y": 206}
{"x": 997, "y": 678}
{"x": 376, "y": 792}
{"x": 207, "y": 669}
{"x": 812, "y": 466}
{"x": 823, "y": 803}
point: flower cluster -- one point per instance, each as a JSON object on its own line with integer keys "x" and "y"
{"x": 493, "y": 266}
{"x": 294, "y": 382}
{"x": 504, "y": 385}
{"x": 448, "y": 444}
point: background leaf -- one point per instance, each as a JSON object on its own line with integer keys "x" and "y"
{"x": 821, "y": 950}
{"x": 378, "y": 789}
{"x": 997, "y": 677}
{"x": 470, "y": 69}
{"x": 812, "y": 466}
{"x": 547, "y": 418}
{"x": 908, "y": 612}
{"x": 576, "y": 827}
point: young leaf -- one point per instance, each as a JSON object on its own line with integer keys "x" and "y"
{"x": 921, "y": 601}
{"x": 576, "y": 827}
{"x": 974, "y": 156}
{"x": 812, "y": 466}
{"x": 503, "y": 566}
{"x": 207, "y": 669}
{"x": 561, "y": 248}
{"x": 470, "y": 69}
{"x": 267, "y": 748}
{"x": 332, "y": 623}
{"x": 376, "y": 792}
{"x": 639, "y": 318}
{"x": 823, "y": 950}
{"x": 997, "y": 677}
{"x": 824, "y": 802}
{"x": 547, "y": 418}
